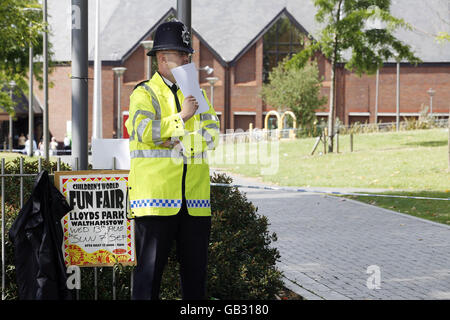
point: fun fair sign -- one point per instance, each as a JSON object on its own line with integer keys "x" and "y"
{"x": 97, "y": 231}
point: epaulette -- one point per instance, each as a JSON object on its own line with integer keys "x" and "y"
{"x": 140, "y": 84}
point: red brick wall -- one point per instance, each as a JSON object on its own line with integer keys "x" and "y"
{"x": 202, "y": 57}
{"x": 354, "y": 94}
{"x": 245, "y": 95}
{"x": 357, "y": 94}
{"x": 206, "y": 59}
{"x": 108, "y": 91}
{"x": 415, "y": 81}
{"x": 136, "y": 66}
{"x": 60, "y": 100}
{"x": 245, "y": 69}
{"x": 414, "y": 84}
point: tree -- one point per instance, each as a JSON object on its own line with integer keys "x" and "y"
{"x": 295, "y": 89}
{"x": 345, "y": 31}
{"x": 19, "y": 28}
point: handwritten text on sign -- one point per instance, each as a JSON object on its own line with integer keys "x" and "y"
{"x": 97, "y": 231}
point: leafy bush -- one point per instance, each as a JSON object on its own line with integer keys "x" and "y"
{"x": 425, "y": 121}
{"x": 11, "y": 289}
{"x": 241, "y": 263}
{"x": 12, "y": 190}
{"x": 295, "y": 89}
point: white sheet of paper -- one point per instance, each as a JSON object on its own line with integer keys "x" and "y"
{"x": 187, "y": 79}
{"x": 104, "y": 150}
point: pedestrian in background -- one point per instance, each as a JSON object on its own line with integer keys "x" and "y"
{"x": 27, "y": 148}
{"x": 53, "y": 147}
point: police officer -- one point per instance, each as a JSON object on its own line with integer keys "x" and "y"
{"x": 169, "y": 190}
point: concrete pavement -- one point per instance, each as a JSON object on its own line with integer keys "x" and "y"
{"x": 333, "y": 248}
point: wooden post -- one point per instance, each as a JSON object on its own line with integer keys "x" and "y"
{"x": 319, "y": 138}
{"x": 351, "y": 142}
{"x": 337, "y": 142}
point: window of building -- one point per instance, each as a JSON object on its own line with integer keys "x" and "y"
{"x": 243, "y": 121}
{"x": 283, "y": 39}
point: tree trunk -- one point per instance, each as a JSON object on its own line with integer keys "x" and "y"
{"x": 332, "y": 106}
{"x": 333, "y": 84}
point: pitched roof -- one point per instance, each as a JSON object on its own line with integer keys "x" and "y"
{"x": 230, "y": 27}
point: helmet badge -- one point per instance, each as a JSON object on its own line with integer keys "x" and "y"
{"x": 185, "y": 35}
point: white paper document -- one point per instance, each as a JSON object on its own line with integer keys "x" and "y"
{"x": 187, "y": 79}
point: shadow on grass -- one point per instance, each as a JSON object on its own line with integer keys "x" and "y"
{"x": 437, "y": 143}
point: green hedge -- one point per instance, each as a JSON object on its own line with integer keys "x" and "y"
{"x": 241, "y": 260}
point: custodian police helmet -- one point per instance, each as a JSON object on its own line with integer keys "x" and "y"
{"x": 172, "y": 35}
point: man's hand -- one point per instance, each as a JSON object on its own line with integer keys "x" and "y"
{"x": 169, "y": 143}
{"x": 190, "y": 106}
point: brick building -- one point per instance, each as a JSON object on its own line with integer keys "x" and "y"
{"x": 242, "y": 41}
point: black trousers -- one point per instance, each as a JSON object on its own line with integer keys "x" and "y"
{"x": 154, "y": 237}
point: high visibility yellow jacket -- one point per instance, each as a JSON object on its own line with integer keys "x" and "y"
{"x": 155, "y": 178}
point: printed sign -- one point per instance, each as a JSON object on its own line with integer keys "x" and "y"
{"x": 97, "y": 231}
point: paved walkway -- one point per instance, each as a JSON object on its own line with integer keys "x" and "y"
{"x": 327, "y": 244}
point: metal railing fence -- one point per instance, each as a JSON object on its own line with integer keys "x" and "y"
{"x": 256, "y": 135}
{"x": 21, "y": 176}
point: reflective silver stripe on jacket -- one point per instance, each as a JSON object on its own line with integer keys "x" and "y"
{"x": 155, "y": 153}
{"x": 207, "y": 136}
{"x": 155, "y": 117}
{"x": 141, "y": 127}
{"x": 155, "y": 102}
{"x": 156, "y": 130}
{"x": 147, "y": 114}
{"x": 208, "y": 116}
{"x": 163, "y": 153}
{"x": 211, "y": 126}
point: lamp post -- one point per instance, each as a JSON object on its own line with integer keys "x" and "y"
{"x": 207, "y": 69}
{"x": 375, "y": 23}
{"x": 119, "y": 71}
{"x": 30, "y": 90}
{"x": 212, "y": 81}
{"x": 431, "y": 93}
{"x": 184, "y": 13}
{"x": 80, "y": 83}
{"x": 148, "y": 45}
{"x": 45, "y": 67}
{"x": 97, "y": 115}
{"x": 397, "y": 98}
{"x": 12, "y": 84}
{"x": 30, "y": 104}
{"x": 376, "y": 95}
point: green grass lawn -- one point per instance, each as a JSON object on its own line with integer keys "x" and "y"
{"x": 434, "y": 210}
{"x": 404, "y": 163}
{"x": 414, "y": 162}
